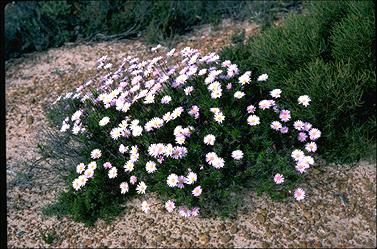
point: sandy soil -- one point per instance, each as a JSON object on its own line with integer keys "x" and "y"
{"x": 339, "y": 211}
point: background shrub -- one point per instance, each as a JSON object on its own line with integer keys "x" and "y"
{"x": 38, "y": 25}
{"x": 327, "y": 52}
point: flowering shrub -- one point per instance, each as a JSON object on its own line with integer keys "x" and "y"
{"x": 187, "y": 126}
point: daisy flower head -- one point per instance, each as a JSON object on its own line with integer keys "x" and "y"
{"x": 141, "y": 187}
{"x": 217, "y": 93}
{"x": 302, "y": 137}
{"x": 202, "y": 71}
{"x": 104, "y": 121}
{"x": 113, "y": 172}
{"x": 195, "y": 211}
{"x": 184, "y": 211}
{"x": 215, "y": 110}
{"x": 245, "y": 78}
{"x": 284, "y": 130}
{"x": 314, "y": 134}
{"x": 237, "y": 155}
{"x": 80, "y": 168}
{"x": 276, "y": 125}
{"x": 210, "y": 157}
{"x": 123, "y": 187}
{"x": 107, "y": 165}
{"x": 275, "y": 93}
{"x": 229, "y": 86}
{"x": 76, "y": 184}
{"x": 278, "y": 179}
{"x": 179, "y": 152}
{"x": 181, "y": 181}
{"x": 262, "y": 77}
{"x": 197, "y": 191}
{"x": 285, "y": 115}
{"x": 76, "y": 115}
{"x": 165, "y": 100}
{"x": 92, "y": 165}
{"x": 219, "y": 117}
{"x": 253, "y": 120}
{"x": 123, "y": 149}
{"x": 133, "y": 180}
{"x": 218, "y": 163}
{"x": 311, "y": 147}
{"x": 170, "y": 206}
{"x": 209, "y": 139}
{"x": 250, "y": 109}
{"x": 191, "y": 178}
{"x": 89, "y": 173}
{"x": 82, "y": 180}
{"x": 307, "y": 126}
{"x": 137, "y": 130}
{"x": 304, "y": 100}
{"x": 239, "y": 94}
{"x": 172, "y": 180}
{"x": 95, "y": 154}
{"x": 264, "y": 104}
{"x": 302, "y": 166}
{"x": 150, "y": 167}
{"x": 115, "y": 133}
{"x": 194, "y": 111}
{"x": 145, "y": 207}
{"x": 180, "y": 139}
{"x": 188, "y": 90}
{"x": 299, "y": 194}
{"x": 298, "y": 125}
{"x": 297, "y": 154}
{"x": 129, "y": 166}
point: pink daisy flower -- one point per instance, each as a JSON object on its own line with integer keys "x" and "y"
{"x": 311, "y": 147}
{"x": 299, "y": 125}
{"x": 197, "y": 191}
{"x": 107, "y": 165}
{"x": 278, "y": 179}
{"x": 302, "y": 137}
{"x": 133, "y": 180}
{"x": 251, "y": 109}
{"x": 314, "y": 134}
{"x": 285, "y": 115}
{"x": 299, "y": 194}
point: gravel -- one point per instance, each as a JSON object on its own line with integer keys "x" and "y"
{"x": 339, "y": 210}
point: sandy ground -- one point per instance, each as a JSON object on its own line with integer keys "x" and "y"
{"x": 339, "y": 211}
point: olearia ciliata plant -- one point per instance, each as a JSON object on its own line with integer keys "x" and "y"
{"x": 185, "y": 126}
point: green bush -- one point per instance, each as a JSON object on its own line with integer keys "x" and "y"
{"x": 38, "y": 25}
{"x": 266, "y": 152}
{"x": 329, "y": 53}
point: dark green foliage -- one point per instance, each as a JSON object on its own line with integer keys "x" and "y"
{"x": 37, "y": 25}
{"x": 327, "y": 53}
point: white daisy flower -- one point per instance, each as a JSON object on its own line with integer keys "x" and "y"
{"x": 128, "y": 166}
{"x": 304, "y": 100}
{"x": 104, "y": 121}
{"x": 253, "y": 120}
{"x": 123, "y": 187}
{"x": 145, "y": 207}
{"x": 209, "y": 139}
{"x": 262, "y": 77}
{"x": 275, "y": 93}
{"x": 237, "y": 155}
{"x": 113, "y": 172}
{"x": 95, "y": 154}
{"x": 172, "y": 180}
{"x": 141, "y": 187}
{"x": 170, "y": 205}
{"x": 239, "y": 94}
{"x": 150, "y": 167}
